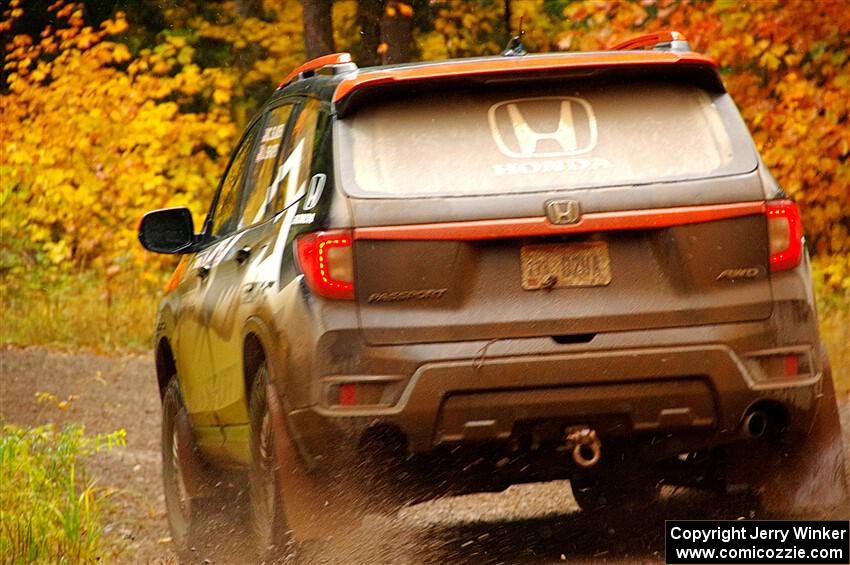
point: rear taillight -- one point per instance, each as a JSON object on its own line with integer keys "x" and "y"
{"x": 785, "y": 233}
{"x": 325, "y": 259}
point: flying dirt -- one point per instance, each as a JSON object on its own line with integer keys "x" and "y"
{"x": 536, "y": 523}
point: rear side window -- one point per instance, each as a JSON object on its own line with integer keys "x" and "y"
{"x": 258, "y": 184}
{"x": 293, "y": 167}
{"x": 517, "y": 140}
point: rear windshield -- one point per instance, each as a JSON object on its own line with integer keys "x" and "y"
{"x": 507, "y": 140}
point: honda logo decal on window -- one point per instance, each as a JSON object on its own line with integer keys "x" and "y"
{"x": 547, "y": 126}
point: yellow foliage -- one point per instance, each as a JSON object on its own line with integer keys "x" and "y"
{"x": 462, "y": 29}
{"x": 93, "y": 136}
{"x": 261, "y": 51}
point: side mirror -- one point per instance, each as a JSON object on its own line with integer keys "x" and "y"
{"x": 169, "y": 230}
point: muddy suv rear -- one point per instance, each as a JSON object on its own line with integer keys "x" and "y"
{"x": 597, "y": 265}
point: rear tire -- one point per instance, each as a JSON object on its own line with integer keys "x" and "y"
{"x": 290, "y": 503}
{"x": 192, "y": 497}
{"x": 268, "y": 519}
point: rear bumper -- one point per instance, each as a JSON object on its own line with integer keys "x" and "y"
{"x": 623, "y": 384}
{"x": 626, "y": 391}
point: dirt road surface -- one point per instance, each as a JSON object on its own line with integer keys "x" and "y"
{"x": 526, "y": 524}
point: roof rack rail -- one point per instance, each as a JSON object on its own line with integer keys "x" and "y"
{"x": 309, "y": 68}
{"x": 660, "y": 41}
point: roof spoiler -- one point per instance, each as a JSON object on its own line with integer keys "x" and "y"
{"x": 669, "y": 55}
{"x": 658, "y": 41}
{"x": 370, "y": 85}
{"x": 336, "y": 62}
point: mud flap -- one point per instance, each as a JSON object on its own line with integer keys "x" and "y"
{"x": 313, "y": 510}
{"x": 807, "y": 478}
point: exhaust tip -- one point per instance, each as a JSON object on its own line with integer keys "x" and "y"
{"x": 755, "y": 424}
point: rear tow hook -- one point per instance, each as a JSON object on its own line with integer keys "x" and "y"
{"x": 585, "y": 446}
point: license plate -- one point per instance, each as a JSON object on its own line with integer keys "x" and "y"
{"x": 565, "y": 265}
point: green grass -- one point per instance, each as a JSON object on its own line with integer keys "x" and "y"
{"x": 83, "y": 311}
{"x": 49, "y": 511}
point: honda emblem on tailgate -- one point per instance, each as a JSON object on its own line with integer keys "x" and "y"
{"x": 563, "y": 211}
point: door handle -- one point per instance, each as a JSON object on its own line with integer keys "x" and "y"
{"x": 203, "y": 271}
{"x": 243, "y": 254}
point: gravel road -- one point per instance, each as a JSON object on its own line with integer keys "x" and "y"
{"x": 537, "y": 523}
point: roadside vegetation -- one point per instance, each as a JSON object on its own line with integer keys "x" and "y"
{"x": 49, "y": 510}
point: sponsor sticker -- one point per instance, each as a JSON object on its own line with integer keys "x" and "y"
{"x": 299, "y": 219}
{"x": 273, "y": 133}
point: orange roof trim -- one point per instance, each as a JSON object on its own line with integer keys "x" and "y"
{"x": 460, "y": 68}
{"x": 317, "y": 63}
{"x": 649, "y": 39}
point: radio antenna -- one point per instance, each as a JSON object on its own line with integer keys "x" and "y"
{"x": 515, "y": 47}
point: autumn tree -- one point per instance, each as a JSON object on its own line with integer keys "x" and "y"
{"x": 369, "y": 14}
{"x": 93, "y": 135}
{"x": 386, "y": 32}
{"x": 396, "y": 33}
{"x": 255, "y": 51}
{"x": 249, "y": 8}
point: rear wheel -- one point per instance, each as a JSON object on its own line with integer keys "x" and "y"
{"x": 270, "y": 528}
{"x": 290, "y": 503}
{"x": 191, "y": 496}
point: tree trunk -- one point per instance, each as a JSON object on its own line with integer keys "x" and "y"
{"x": 369, "y": 13}
{"x": 249, "y": 8}
{"x": 243, "y": 60}
{"x": 318, "y": 28}
{"x": 397, "y": 33}
{"x": 508, "y": 26}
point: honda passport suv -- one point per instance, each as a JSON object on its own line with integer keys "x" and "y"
{"x": 448, "y": 277}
